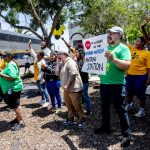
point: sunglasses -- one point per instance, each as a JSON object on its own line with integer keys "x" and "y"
{"x": 5, "y": 56}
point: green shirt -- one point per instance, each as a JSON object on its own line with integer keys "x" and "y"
{"x": 12, "y": 71}
{"x": 114, "y": 75}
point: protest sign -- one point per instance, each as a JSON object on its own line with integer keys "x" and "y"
{"x": 95, "y": 61}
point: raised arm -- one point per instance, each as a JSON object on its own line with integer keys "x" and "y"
{"x": 71, "y": 49}
{"x": 32, "y": 51}
{"x": 145, "y": 34}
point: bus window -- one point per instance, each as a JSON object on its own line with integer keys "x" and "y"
{"x": 19, "y": 57}
{"x": 4, "y": 37}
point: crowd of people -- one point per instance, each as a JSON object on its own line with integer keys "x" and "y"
{"x": 127, "y": 65}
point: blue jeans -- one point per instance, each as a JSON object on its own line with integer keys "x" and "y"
{"x": 112, "y": 94}
{"x": 86, "y": 97}
{"x": 53, "y": 90}
{"x": 43, "y": 91}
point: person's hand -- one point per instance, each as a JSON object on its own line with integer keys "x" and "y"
{"x": 30, "y": 42}
{"x": 43, "y": 66}
{"x": 148, "y": 82}
{"x": 144, "y": 23}
{"x": 109, "y": 55}
{"x": 146, "y": 20}
{"x": 58, "y": 61}
{"x": 1, "y": 70}
{"x": 65, "y": 87}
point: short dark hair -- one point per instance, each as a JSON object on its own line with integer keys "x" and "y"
{"x": 41, "y": 53}
{"x": 142, "y": 40}
{"x": 8, "y": 53}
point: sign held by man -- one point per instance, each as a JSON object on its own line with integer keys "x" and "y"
{"x": 95, "y": 61}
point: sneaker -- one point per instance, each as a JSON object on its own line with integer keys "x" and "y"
{"x": 45, "y": 104}
{"x": 140, "y": 114}
{"x": 14, "y": 121}
{"x": 81, "y": 125}
{"x": 128, "y": 107}
{"x": 68, "y": 123}
{"x": 41, "y": 102}
{"x": 125, "y": 142}
{"x": 58, "y": 111}
{"x": 18, "y": 126}
{"x": 101, "y": 130}
{"x": 53, "y": 109}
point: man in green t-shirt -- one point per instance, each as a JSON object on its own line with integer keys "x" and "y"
{"x": 118, "y": 60}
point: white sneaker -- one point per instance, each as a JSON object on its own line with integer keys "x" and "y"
{"x": 140, "y": 114}
{"x": 128, "y": 107}
{"x": 46, "y": 104}
{"x": 41, "y": 102}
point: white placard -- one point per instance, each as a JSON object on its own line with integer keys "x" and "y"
{"x": 95, "y": 61}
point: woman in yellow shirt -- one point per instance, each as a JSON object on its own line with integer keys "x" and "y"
{"x": 138, "y": 75}
{"x": 2, "y": 66}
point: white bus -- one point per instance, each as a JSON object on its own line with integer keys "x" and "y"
{"x": 18, "y": 44}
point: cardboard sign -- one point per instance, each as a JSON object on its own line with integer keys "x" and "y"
{"x": 95, "y": 61}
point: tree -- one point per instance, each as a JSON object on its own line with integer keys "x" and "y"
{"x": 36, "y": 13}
{"x": 98, "y": 15}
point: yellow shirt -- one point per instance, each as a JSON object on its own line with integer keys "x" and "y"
{"x": 140, "y": 61}
{"x": 36, "y": 71}
{"x": 2, "y": 64}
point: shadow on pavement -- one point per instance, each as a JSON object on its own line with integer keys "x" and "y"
{"x": 4, "y": 126}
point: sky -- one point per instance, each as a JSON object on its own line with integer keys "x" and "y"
{"x": 58, "y": 43}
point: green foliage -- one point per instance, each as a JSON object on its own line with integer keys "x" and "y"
{"x": 12, "y": 16}
{"x": 99, "y": 15}
{"x": 36, "y": 13}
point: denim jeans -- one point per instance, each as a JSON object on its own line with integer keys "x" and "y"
{"x": 43, "y": 91}
{"x": 112, "y": 94}
{"x": 54, "y": 93}
{"x": 86, "y": 97}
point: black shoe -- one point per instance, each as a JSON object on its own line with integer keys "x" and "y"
{"x": 14, "y": 121}
{"x": 125, "y": 142}
{"x": 88, "y": 113}
{"x": 101, "y": 130}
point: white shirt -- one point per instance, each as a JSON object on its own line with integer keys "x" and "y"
{"x": 39, "y": 63}
{"x": 47, "y": 51}
{"x": 26, "y": 59}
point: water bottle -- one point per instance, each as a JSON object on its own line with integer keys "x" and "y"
{"x": 9, "y": 91}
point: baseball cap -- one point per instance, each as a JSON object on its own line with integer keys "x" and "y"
{"x": 115, "y": 29}
{"x": 63, "y": 51}
{"x": 7, "y": 53}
